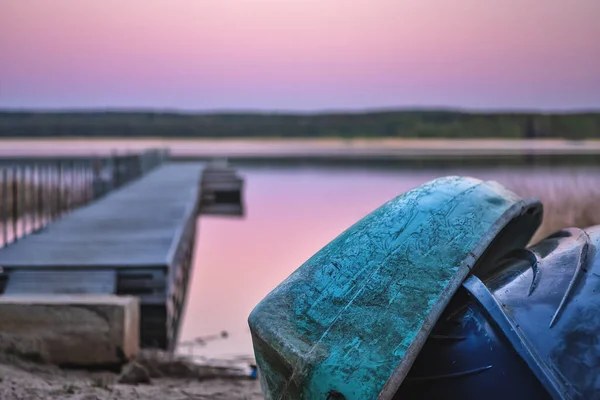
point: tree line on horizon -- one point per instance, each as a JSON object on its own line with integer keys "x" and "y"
{"x": 385, "y": 124}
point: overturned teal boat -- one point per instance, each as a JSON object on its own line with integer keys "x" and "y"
{"x": 351, "y": 321}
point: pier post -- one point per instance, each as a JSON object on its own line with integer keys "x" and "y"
{"x": 47, "y": 195}
{"x": 50, "y": 191}
{"x": 15, "y": 203}
{"x": 40, "y": 195}
{"x": 4, "y": 206}
{"x": 116, "y": 170}
{"x": 23, "y": 200}
{"x": 59, "y": 200}
{"x": 79, "y": 185}
{"x": 96, "y": 182}
{"x": 53, "y": 180}
{"x": 33, "y": 197}
{"x": 87, "y": 182}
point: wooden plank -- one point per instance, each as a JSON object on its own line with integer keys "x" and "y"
{"x": 65, "y": 281}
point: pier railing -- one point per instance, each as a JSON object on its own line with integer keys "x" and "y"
{"x": 35, "y": 192}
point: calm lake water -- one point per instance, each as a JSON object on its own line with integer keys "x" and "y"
{"x": 290, "y": 214}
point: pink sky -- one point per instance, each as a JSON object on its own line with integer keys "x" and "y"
{"x": 299, "y": 54}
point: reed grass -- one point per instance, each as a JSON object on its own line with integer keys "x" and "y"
{"x": 571, "y": 200}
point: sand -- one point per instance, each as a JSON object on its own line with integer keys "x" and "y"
{"x": 22, "y": 380}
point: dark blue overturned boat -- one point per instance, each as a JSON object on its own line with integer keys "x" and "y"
{"x": 433, "y": 296}
{"x": 527, "y": 327}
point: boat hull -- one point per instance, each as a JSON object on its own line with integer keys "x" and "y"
{"x": 349, "y": 323}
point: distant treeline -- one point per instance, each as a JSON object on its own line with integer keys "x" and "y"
{"x": 401, "y": 124}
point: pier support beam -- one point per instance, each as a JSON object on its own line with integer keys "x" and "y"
{"x": 78, "y": 330}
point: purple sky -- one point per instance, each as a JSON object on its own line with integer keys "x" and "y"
{"x": 299, "y": 54}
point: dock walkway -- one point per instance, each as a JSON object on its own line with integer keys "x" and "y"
{"x": 137, "y": 240}
{"x": 133, "y": 227}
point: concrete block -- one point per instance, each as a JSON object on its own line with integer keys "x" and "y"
{"x": 81, "y": 330}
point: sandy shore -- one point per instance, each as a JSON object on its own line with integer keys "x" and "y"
{"x": 20, "y": 380}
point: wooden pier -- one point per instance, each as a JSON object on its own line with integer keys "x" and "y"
{"x": 137, "y": 240}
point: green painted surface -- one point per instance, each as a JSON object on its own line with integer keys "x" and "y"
{"x": 352, "y": 318}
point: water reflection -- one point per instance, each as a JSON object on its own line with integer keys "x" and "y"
{"x": 291, "y": 214}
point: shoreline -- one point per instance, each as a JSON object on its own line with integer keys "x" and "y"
{"x": 170, "y": 378}
{"x": 265, "y": 148}
{"x": 350, "y": 153}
